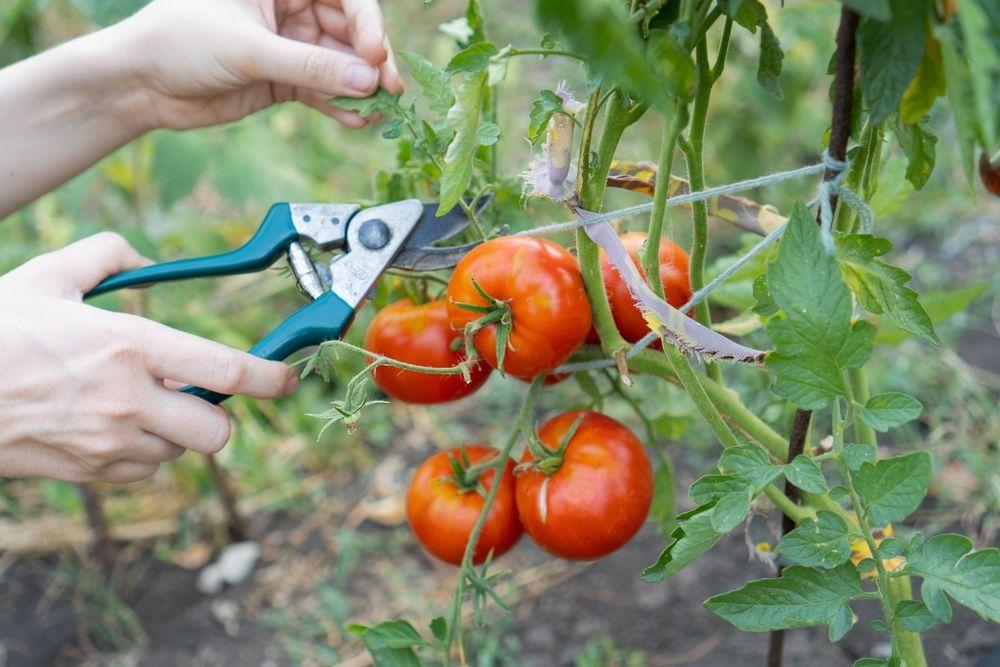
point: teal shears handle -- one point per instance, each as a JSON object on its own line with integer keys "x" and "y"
{"x": 324, "y": 319}
{"x": 272, "y": 239}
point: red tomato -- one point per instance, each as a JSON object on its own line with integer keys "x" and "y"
{"x": 441, "y": 514}
{"x": 673, "y": 275}
{"x": 600, "y": 496}
{"x": 540, "y": 281}
{"x": 420, "y": 335}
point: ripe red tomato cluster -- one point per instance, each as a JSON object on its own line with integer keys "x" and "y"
{"x": 537, "y": 283}
{"x": 583, "y": 505}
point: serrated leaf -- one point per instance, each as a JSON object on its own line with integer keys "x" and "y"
{"x": 487, "y": 133}
{"x": 664, "y": 505}
{"x": 821, "y": 542}
{"x": 801, "y": 597}
{"x": 542, "y": 108}
{"x": 434, "y": 83}
{"x": 805, "y": 473}
{"x": 949, "y": 565}
{"x": 392, "y": 634}
{"x": 815, "y": 341}
{"x": 764, "y": 305}
{"x": 769, "y": 64}
{"x": 179, "y": 160}
{"x": 892, "y": 488}
{"x": 841, "y": 622}
{"x": 854, "y": 456}
{"x": 672, "y": 64}
{"x": 710, "y": 488}
{"x": 939, "y": 305}
{"x": 691, "y": 539}
{"x": 602, "y": 31}
{"x": 463, "y": 118}
{"x": 876, "y": 9}
{"x": 889, "y": 55}
{"x": 920, "y": 147}
{"x": 746, "y": 13}
{"x": 890, "y": 547}
{"x": 730, "y": 510}
{"x": 889, "y": 410}
{"x": 381, "y": 102}
{"x": 914, "y": 616}
{"x": 393, "y": 129}
{"x": 475, "y": 58}
{"x": 881, "y": 287}
{"x": 928, "y": 84}
{"x": 749, "y": 463}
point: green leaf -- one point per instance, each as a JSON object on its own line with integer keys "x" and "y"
{"x": 542, "y": 109}
{"x": 815, "y": 341}
{"x": 731, "y": 510}
{"x": 391, "y": 643}
{"x": 749, "y": 463}
{"x": 549, "y": 41}
{"x": 711, "y": 488}
{"x": 881, "y": 287}
{"x": 746, "y": 13}
{"x": 764, "y": 305}
{"x": 939, "y": 304}
{"x": 475, "y": 58}
{"x": 821, "y": 542}
{"x": 602, "y": 31}
{"x": 928, "y": 84}
{"x": 948, "y": 564}
{"x": 876, "y": 9}
{"x": 769, "y": 64}
{"x": 487, "y": 133}
{"x": 474, "y": 19}
{"x": 664, "y": 506}
{"x": 984, "y": 64}
{"x": 381, "y": 102}
{"x": 805, "y": 473}
{"x": 439, "y": 628}
{"x": 914, "y": 616}
{"x": 854, "y": 456}
{"x": 961, "y": 96}
{"x": 672, "y": 64}
{"x": 434, "y": 83}
{"x": 891, "y": 489}
{"x": 890, "y": 54}
{"x": 919, "y": 145}
{"x": 393, "y": 129}
{"x": 889, "y": 410}
{"x": 801, "y": 597}
{"x": 870, "y": 662}
{"x": 463, "y": 118}
{"x": 691, "y": 539}
{"x": 179, "y": 161}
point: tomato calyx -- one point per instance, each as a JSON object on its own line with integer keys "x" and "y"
{"x": 466, "y": 476}
{"x": 496, "y": 312}
{"x": 548, "y": 461}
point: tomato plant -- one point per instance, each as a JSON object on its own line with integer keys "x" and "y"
{"x": 587, "y": 489}
{"x": 420, "y": 334}
{"x": 817, "y": 291}
{"x": 523, "y": 300}
{"x": 446, "y": 497}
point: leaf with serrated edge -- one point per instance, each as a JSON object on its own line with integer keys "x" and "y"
{"x": 750, "y": 463}
{"x": 914, "y": 616}
{"x": 855, "y": 455}
{"x": 801, "y": 597}
{"x": 892, "y": 488}
{"x": 463, "y": 118}
{"x": 889, "y": 55}
{"x": 435, "y": 83}
{"x": 948, "y": 564}
{"x": 889, "y": 410}
{"x": 815, "y": 340}
{"x": 881, "y": 287}
{"x": 691, "y": 539}
{"x": 821, "y": 542}
{"x": 805, "y": 473}
{"x": 731, "y": 510}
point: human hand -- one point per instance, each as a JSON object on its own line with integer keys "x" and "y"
{"x": 82, "y": 395}
{"x": 201, "y": 62}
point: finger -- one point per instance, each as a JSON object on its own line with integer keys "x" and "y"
{"x": 186, "y": 421}
{"x": 123, "y": 472}
{"x": 316, "y": 68}
{"x": 389, "y": 72}
{"x": 173, "y": 354}
{"x": 332, "y": 21}
{"x": 151, "y": 448}
{"x": 364, "y": 21}
{"x": 350, "y": 119}
{"x": 77, "y": 268}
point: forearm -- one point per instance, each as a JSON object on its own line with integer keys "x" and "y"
{"x": 62, "y": 111}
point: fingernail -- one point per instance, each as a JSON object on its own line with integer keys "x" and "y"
{"x": 361, "y": 77}
{"x": 291, "y": 384}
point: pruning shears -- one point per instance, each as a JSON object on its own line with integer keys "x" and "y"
{"x": 400, "y": 234}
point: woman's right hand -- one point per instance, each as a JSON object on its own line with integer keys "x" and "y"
{"x": 82, "y": 395}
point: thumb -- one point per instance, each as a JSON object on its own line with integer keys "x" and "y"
{"x": 324, "y": 70}
{"x": 76, "y": 269}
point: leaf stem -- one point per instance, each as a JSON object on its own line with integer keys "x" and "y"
{"x": 673, "y": 124}
{"x": 546, "y": 52}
